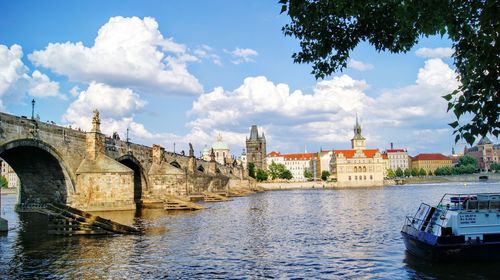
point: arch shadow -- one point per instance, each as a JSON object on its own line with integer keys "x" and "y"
{"x": 44, "y": 174}
{"x": 140, "y": 179}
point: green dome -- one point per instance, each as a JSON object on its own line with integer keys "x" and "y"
{"x": 219, "y": 145}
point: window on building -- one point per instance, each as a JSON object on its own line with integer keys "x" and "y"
{"x": 364, "y": 177}
{"x": 364, "y": 168}
{"x": 349, "y": 178}
{"x": 355, "y": 169}
{"x": 355, "y": 177}
{"x": 371, "y": 177}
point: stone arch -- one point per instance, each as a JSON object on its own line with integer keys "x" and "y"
{"x": 44, "y": 174}
{"x": 175, "y": 164}
{"x": 200, "y": 168}
{"x": 140, "y": 179}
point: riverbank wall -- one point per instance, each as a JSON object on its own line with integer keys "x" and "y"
{"x": 8, "y": 191}
{"x": 452, "y": 178}
{"x": 297, "y": 185}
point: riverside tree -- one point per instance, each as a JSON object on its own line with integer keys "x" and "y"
{"x": 399, "y": 172}
{"x": 261, "y": 175}
{"x": 329, "y": 30}
{"x": 324, "y": 175}
{"x": 251, "y": 169}
{"x": 390, "y": 173}
{"x": 278, "y": 170}
{"x": 3, "y": 182}
{"x": 308, "y": 174}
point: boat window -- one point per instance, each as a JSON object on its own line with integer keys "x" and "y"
{"x": 494, "y": 204}
{"x": 483, "y": 204}
{"x": 471, "y": 204}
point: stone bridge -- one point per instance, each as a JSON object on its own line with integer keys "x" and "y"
{"x": 90, "y": 171}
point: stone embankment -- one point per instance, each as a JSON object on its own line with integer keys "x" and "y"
{"x": 297, "y": 185}
{"x": 452, "y": 178}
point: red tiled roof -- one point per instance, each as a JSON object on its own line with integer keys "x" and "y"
{"x": 305, "y": 156}
{"x": 430, "y": 157}
{"x": 396, "y": 151}
{"x": 274, "y": 154}
{"x": 350, "y": 153}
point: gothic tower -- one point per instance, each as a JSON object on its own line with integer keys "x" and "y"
{"x": 256, "y": 149}
{"x": 358, "y": 142}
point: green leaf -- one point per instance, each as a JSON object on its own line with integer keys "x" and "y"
{"x": 453, "y": 124}
{"x": 448, "y": 97}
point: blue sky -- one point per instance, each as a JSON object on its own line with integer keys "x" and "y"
{"x": 184, "y": 71}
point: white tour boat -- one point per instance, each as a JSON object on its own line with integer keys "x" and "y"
{"x": 460, "y": 227}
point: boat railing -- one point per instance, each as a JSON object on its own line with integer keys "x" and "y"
{"x": 412, "y": 221}
{"x": 470, "y": 201}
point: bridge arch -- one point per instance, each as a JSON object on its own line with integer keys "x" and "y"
{"x": 140, "y": 179}
{"x": 44, "y": 174}
{"x": 175, "y": 164}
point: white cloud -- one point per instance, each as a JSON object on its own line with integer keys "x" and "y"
{"x": 208, "y": 52}
{"x": 434, "y": 52}
{"x": 359, "y": 65}
{"x": 242, "y": 55}
{"x": 41, "y": 86}
{"x": 15, "y": 80}
{"x": 325, "y": 117}
{"x": 116, "y": 105}
{"x": 127, "y": 52}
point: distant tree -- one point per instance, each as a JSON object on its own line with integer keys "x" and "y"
{"x": 287, "y": 175}
{"x": 251, "y": 169}
{"x": 390, "y": 173}
{"x": 414, "y": 172}
{"x": 495, "y": 166}
{"x": 324, "y": 175}
{"x": 399, "y": 172}
{"x": 328, "y": 31}
{"x": 261, "y": 175}
{"x": 3, "y": 182}
{"x": 407, "y": 172}
{"x": 467, "y": 160}
{"x": 308, "y": 174}
{"x": 274, "y": 171}
{"x": 422, "y": 172}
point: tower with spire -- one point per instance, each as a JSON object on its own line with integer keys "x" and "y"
{"x": 256, "y": 149}
{"x": 358, "y": 142}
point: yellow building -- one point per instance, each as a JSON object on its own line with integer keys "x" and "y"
{"x": 359, "y": 167}
{"x": 430, "y": 162}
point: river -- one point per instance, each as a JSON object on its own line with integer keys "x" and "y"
{"x": 313, "y": 234}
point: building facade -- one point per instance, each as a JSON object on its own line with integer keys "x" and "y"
{"x": 297, "y": 164}
{"x": 256, "y": 149}
{"x": 358, "y": 167}
{"x": 485, "y": 153}
{"x": 397, "y": 158}
{"x": 430, "y": 162}
{"x": 9, "y": 174}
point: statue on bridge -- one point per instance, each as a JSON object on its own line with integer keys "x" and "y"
{"x": 191, "y": 150}
{"x": 96, "y": 122}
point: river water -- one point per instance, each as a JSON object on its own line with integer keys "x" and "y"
{"x": 313, "y": 234}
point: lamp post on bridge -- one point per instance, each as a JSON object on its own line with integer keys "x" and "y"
{"x": 33, "y": 109}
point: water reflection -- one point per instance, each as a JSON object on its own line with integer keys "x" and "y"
{"x": 303, "y": 233}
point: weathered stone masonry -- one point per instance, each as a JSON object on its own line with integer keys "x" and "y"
{"x": 90, "y": 171}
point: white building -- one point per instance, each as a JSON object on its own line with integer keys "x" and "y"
{"x": 296, "y": 163}
{"x": 9, "y": 174}
{"x": 397, "y": 158}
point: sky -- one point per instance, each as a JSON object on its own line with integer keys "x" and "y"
{"x": 185, "y": 71}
